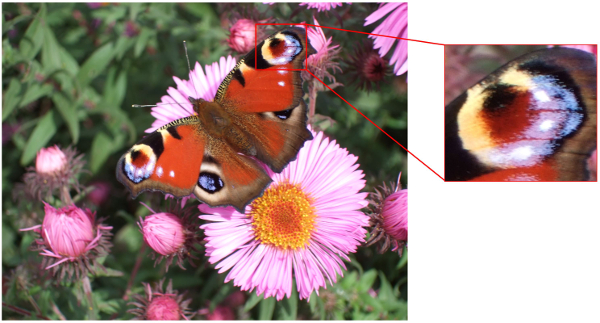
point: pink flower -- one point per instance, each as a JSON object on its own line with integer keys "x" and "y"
{"x": 588, "y": 48}
{"x": 322, "y": 63}
{"x": 241, "y": 36}
{"x": 304, "y": 224}
{"x": 50, "y": 160}
{"x": 593, "y": 165}
{"x": 321, "y": 6}
{"x": 389, "y": 217}
{"x": 161, "y": 305}
{"x": 395, "y": 215}
{"x": 70, "y": 234}
{"x": 176, "y": 105}
{"x": 163, "y": 308}
{"x": 163, "y": 232}
{"x": 100, "y": 194}
{"x": 396, "y": 24}
{"x": 221, "y": 313}
{"x": 172, "y": 234}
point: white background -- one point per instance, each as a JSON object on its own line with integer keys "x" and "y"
{"x": 489, "y": 252}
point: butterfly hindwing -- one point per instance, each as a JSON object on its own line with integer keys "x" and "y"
{"x": 533, "y": 119}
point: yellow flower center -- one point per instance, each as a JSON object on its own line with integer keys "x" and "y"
{"x": 283, "y": 216}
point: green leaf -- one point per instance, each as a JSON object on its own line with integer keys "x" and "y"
{"x": 50, "y": 51}
{"x": 108, "y": 272}
{"x": 251, "y": 302}
{"x": 95, "y": 65}
{"x": 41, "y": 135}
{"x": 200, "y": 10}
{"x": 366, "y": 281}
{"x": 12, "y": 96}
{"x": 35, "y": 91}
{"x": 123, "y": 45}
{"x": 102, "y": 148}
{"x": 142, "y": 40}
{"x": 68, "y": 111}
{"x": 130, "y": 237}
{"x": 289, "y": 306}
{"x": 266, "y": 309}
{"x": 32, "y": 41}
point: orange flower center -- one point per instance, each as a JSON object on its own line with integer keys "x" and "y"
{"x": 283, "y": 216}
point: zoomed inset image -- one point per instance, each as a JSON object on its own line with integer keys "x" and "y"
{"x": 532, "y": 119}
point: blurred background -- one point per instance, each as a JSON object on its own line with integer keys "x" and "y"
{"x": 70, "y": 74}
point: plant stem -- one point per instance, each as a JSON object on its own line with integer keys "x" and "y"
{"x": 22, "y": 311}
{"x": 136, "y": 267}
{"x": 87, "y": 290}
{"x": 312, "y": 97}
{"x": 65, "y": 196}
{"x": 58, "y": 312}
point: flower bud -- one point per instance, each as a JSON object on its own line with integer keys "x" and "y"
{"x": 241, "y": 37}
{"x": 68, "y": 231}
{"x": 395, "y": 215}
{"x": 221, "y": 313}
{"x": 163, "y": 308}
{"x": 163, "y": 232}
{"x": 50, "y": 160}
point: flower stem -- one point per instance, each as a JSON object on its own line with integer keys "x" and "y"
{"x": 83, "y": 194}
{"x": 87, "y": 290}
{"x": 136, "y": 267}
{"x": 58, "y": 312}
{"x": 312, "y": 97}
{"x": 22, "y": 311}
{"x": 65, "y": 196}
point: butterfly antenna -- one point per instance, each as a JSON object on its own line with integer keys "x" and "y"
{"x": 189, "y": 67}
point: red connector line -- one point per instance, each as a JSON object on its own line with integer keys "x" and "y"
{"x": 408, "y": 151}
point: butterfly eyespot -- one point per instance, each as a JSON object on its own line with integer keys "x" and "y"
{"x": 210, "y": 182}
{"x": 283, "y": 115}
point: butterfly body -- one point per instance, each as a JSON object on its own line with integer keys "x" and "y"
{"x": 533, "y": 119}
{"x": 256, "y": 115}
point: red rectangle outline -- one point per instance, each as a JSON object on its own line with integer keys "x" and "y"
{"x": 278, "y": 24}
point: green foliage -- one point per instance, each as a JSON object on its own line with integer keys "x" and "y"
{"x": 70, "y": 76}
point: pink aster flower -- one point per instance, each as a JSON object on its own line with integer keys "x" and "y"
{"x": 396, "y": 24}
{"x": 389, "y": 217}
{"x": 588, "y": 48}
{"x": 176, "y": 105}
{"x": 50, "y": 160}
{"x": 303, "y": 225}
{"x": 172, "y": 234}
{"x": 241, "y": 36}
{"x": 322, "y": 64}
{"x": 55, "y": 169}
{"x": 71, "y": 238}
{"x": 321, "y": 6}
{"x": 159, "y": 305}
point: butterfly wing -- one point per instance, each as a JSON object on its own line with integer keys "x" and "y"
{"x": 166, "y": 160}
{"x": 533, "y": 119}
{"x": 263, "y": 96}
{"x": 180, "y": 159}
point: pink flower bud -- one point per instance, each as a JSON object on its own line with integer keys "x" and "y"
{"x": 68, "y": 231}
{"x": 241, "y": 38}
{"x": 221, "y": 313}
{"x": 163, "y": 308}
{"x": 395, "y": 215}
{"x": 593, "y": 165}
{"x": 50, "y": 160}
{"x": 163, "y": 232}
{"x": 100, "y": 194}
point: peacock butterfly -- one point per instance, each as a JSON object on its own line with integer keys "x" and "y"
{"x": 533, "y": 119}
{"x": 258, "y": 112}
